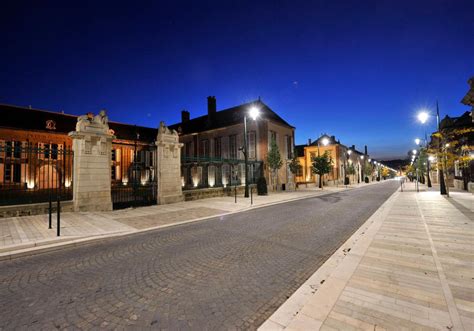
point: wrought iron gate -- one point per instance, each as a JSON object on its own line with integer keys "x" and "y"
{"x": 32, "y": 172}
{"x": 133, "y": 176}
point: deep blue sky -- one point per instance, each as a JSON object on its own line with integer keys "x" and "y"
{"x": 355, "y": 69}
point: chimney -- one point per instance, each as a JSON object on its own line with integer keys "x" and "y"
{"x": 333, "y": 138}
{"x": 211, "y": 106}
{"x": 353, "y": 147}
{"x": 366, "y": 150}
{"x": 309, "y": 141}
{"x": 184, "y": 116}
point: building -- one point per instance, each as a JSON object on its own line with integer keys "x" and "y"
{"x": 212, "y": 154}
{"x": 344, "y": 160}
{"x": 35, "y": 154}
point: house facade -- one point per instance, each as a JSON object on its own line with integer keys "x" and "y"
{"x": 212, "y": 154}
{"x": 343, "y": 160}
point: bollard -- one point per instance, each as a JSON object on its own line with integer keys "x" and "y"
{"x": 50, "y": 211}
{"x": 251, "y": 195}
{"x": 59, "y": 218}
{"x": 401, "y": 185}
{"x": 235, "y": 192}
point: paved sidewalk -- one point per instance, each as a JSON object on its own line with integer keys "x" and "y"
{"x": 22, "y": 234}
{"x": 410, "y": 266}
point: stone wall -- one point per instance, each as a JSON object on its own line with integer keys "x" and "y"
{"x": 33, "y": 209}
{"x": 214, "y": 192}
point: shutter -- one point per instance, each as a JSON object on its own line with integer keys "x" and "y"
{"x": 240, "y": 143}
{"x": 285, "y": 148}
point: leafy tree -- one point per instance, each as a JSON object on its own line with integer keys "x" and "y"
{"x": 368, "y": 169}
{"x": 385, "y": 172}
{"x": 274, "y": 161}
{"x": 322, "y": 164}
{"x": 351, "y": 169}
{"x": 294, "y": 166}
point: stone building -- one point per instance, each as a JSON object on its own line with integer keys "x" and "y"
{"x": 343, "y": 158}
{"x": 212, "y": 153}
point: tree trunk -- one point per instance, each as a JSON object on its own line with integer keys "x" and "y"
{"x": 442, "y": 184}
{"x": 320, "y": 182}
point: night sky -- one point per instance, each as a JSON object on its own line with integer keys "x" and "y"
{"x": 355, "y": 69}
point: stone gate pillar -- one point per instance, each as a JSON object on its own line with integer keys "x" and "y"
{"x": 92, "y": 146}
{"x": 169, "y": 166}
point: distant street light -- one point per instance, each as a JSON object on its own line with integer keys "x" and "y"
{"x": 253, "y": 113}
{"x": 414, "y": 152}
{"x": 417, "y": 141}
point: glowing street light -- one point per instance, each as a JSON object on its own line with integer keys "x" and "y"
{"x": 417, "y": 141}
{"x": 254, "y": 113}
{"x": 423, "y": 116}
{"x": 325, "y": 141}
{"x": 414, "y": 152}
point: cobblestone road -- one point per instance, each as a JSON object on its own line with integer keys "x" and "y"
{"x": 227, "y": 273}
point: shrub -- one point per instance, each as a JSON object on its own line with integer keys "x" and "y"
{"x": 366, "y": 179}
{"x": 262, "y": 186}
{"x": 346, "y": 181}
{"x": 378, "y": 179}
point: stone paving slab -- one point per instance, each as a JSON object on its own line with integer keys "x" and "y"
{"x": 410, "y": 267}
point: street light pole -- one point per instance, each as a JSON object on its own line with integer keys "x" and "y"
{"x": 253, "y": 113}
{"x": 246, "y": 158}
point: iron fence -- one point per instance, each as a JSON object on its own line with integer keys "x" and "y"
{"x": 31, "y": 173}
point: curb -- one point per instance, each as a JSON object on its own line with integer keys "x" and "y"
{"x": 329, "y": 280}
{"x": 31, "y": 249}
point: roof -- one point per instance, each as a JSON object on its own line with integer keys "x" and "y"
{"x": 227, "y": 117}
{"x": 24, "y": 118}
{"x": 465, "y": 120}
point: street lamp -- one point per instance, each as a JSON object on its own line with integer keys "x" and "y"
{"x": 423, "y": 116}
{"x": 417, "y": 141}
{"x": 253, "y": 113}
{"x": 325, "y": 142}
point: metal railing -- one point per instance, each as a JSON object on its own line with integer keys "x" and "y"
{"x": 31, "y": 174}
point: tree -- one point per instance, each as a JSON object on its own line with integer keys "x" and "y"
{"x": 367, "y": 170}
{"x": 351, "y": 169}
{"x": 295, "y": 166}
{"x": 274, "y": 161}
{"x": 322, "y": 164}
{"x": 385, "y": 172}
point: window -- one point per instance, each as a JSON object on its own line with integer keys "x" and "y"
{"x": 189, "y": 148}
{"x": 17, "y": 173}
{"x": 204, "y": 148}
{"x": 114, "y": 155}
{"x": 271, "y": 136}
{"x": 289, "y": 147}
{"x": 8, "y": 149}
{"x": 17, "y": 150}
{"x": 233, "y": 147}
{"x": 7, "y": 174}
{"x": 113, "y": 173}
{"x": 54, "y": 151}
{"x": 252, "y": 143}
{"x": 218, "y": 147}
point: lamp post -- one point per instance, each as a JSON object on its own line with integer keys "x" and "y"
{"x": 325, "y": 142}
{"x": 254, "y": 112}
{"x": 348, "y": 154}
{"x": 423, "y": 118}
